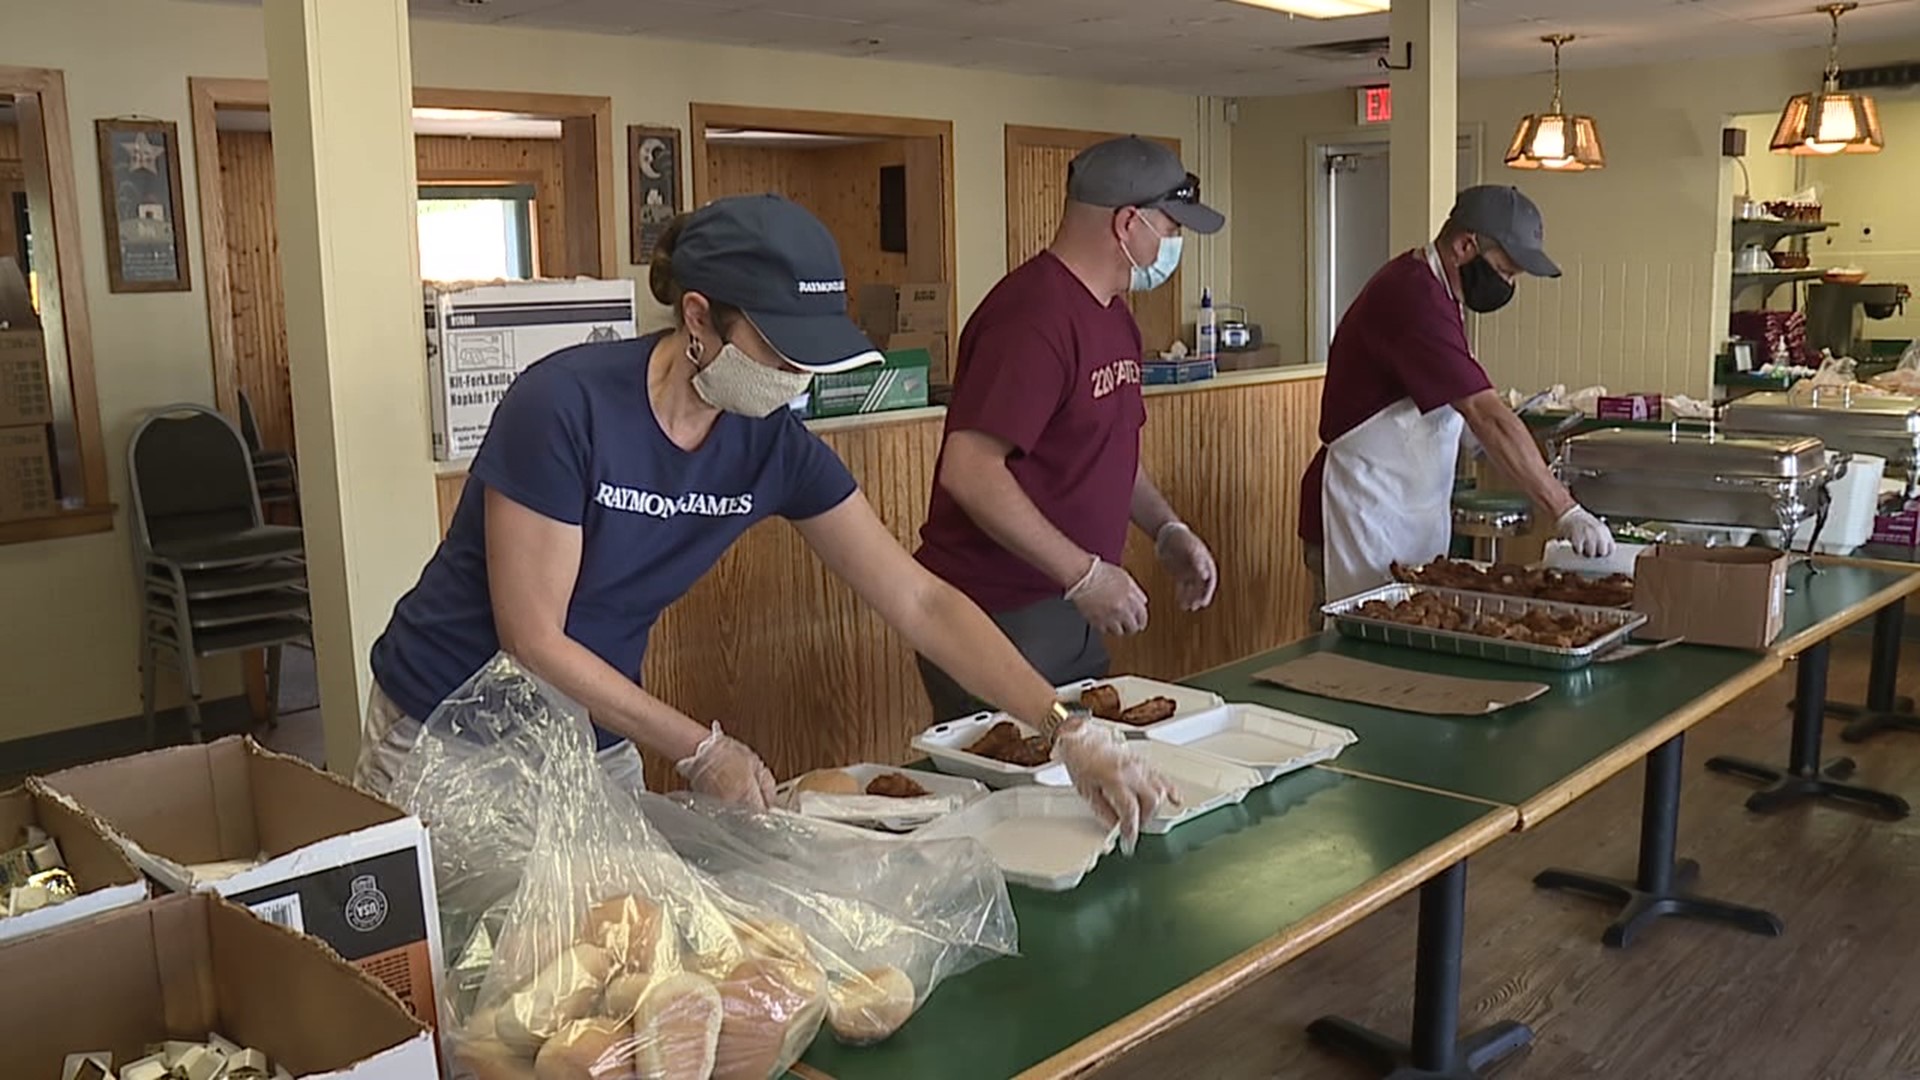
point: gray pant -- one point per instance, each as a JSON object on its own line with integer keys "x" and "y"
{"x": 1053, "y": 637}
{"x": 1316, "y": 559}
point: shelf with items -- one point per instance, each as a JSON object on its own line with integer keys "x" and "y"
{"x": 1769, "y": 280}
{"x": 1767, "y": 232}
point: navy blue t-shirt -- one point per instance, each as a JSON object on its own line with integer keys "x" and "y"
{"x": 575, "y": 440}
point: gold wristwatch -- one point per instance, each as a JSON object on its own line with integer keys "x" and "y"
{"x": 1061, "y": 712}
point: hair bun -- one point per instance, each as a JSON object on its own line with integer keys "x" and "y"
{"x": 660, "y": 264}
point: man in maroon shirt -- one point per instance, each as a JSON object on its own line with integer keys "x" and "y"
{"x": 1401, "y": 380}
{"x": 1040, "y": 473}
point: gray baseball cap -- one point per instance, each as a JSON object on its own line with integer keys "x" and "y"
{"x": 1133, "y": 171}
{"x": 1502, "y": 214}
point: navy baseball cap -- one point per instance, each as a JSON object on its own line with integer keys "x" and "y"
{"x": 1508, "y": 218}
{"x": 775, "y": 261}
{"x": 1132, "y": 171}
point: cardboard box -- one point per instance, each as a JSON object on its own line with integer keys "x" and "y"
{"x": 105, "y": 877}
{"x": 1735, "y": 597}
{"x": 1177, "y": 372}
{"x": 939, "y": 356}
{"x": 24, "y": 396}
{"x": 190, "y": 966}
{"x": 899, "y": 384}
{"x": 26, "y": 473}
{"x": 1629, "y": 407}
{"x": 340, "y": 864}
{"x": 481, "y": 337}
{"x": 912, "y": 308}
{"x": 1900, "y": 528}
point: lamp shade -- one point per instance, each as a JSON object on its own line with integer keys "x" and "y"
{"x": 1556, "y": 141}
{"x": 1830, "y": 122}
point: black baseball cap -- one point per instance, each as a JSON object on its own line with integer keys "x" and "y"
{"x": 1508, "y": 218}
{"x": 1133, "y": 171}
{"x": 775, "y": 261}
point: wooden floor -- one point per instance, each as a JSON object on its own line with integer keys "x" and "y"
{"x": 1836, "y": 998}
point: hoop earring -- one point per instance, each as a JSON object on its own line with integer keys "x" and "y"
{"x": 694, "y": 348}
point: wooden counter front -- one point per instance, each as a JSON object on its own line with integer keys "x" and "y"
{"x": 787, "y": 658}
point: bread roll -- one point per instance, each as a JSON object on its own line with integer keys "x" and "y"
{"x": 491, "y": 1059}
{"x": 828, "y": 782}
{"x": 769, "y": 937}
{"x": 624, "y": 994}
{"x": 676, "y": 1029}
{"x": 628, "y": 927}
{"x": 869, "y": 1010}
{"x": 565, "y": 991}
{"x": 596, "y": 1049}
{"x": 773, "y": 1009}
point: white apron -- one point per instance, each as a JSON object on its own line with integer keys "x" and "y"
{"x": 1387, "y": 494}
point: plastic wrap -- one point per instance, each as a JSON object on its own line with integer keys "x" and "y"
{"x": 888, "y": 920}
{"x": 1904, "y": 379}
{"x": 583, "y": 948}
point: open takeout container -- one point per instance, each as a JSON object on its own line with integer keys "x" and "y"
{"x": 1135, "y": 690}
{"x": 1044, "y": 838}
{"x": 949, "y": 794}
{"x": 1269, "y": 742}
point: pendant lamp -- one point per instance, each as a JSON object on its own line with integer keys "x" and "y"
{"x": 1830, "y": 121}
{"x": 1552, "y": 139}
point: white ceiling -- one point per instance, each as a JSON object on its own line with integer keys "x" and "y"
{"x": 1205, "y": 46}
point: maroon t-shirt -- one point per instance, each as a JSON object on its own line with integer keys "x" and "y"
{"x": 1402, "y": 338}
{"x": 1049, "y": 369}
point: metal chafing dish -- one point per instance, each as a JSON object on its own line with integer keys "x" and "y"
{"x": 1882, "y": 425}
{"x": 1702, "y": 477}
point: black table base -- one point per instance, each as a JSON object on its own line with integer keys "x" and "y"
{"x": 1437, "y": 1051}
{"x": 1885, "y": 709}
{"x": 1805, "y": 777}
{"x": 1660, "y": 887}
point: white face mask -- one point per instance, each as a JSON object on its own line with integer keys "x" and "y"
{"x": 1160, "y": 271}
{"x": 735, "y": 383}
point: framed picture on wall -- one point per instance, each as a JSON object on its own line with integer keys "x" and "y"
{"x": 141, "y": 197}
{"x": 653, "y": 185}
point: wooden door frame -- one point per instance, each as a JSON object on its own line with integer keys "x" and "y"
{"x": 702, "y": 115}
{"x": 207, "y": 96}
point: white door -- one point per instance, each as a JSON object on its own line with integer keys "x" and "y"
{"x": 1350, "y": 225}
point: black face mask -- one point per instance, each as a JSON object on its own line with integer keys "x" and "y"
{"x": 1482, "y": 288}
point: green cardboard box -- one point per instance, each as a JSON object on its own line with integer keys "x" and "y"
{"x": 900, "y": 383}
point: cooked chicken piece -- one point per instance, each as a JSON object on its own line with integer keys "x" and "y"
{"x": 895, "y": 786}
{"x": 1150, "y": 711}
{"x": 1103, "y": 701}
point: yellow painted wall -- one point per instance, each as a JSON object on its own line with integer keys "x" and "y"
{"x": 68, "y": 641}
{"x": 1876, "y": 191}
{"x": 1644, "y": 242}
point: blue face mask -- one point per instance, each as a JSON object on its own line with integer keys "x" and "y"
{"x": 1160, "y": 271}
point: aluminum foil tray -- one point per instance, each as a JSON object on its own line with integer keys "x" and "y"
{"x": 1345, "y": 618}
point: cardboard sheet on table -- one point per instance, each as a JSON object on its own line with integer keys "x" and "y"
{"x": 1342, "y": 677}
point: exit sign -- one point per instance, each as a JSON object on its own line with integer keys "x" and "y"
{"x": 1374, "y": 104}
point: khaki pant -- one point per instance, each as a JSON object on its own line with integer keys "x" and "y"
{"x": 387, "y": 735}
{"x": 1052, "y": 636}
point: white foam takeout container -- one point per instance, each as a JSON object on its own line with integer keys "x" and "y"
{"x": 1134, "y": 690}
{"x": 1043, "y": 838}
{"x": 1268, "y": 741}
{"x": 947, "y": 794}
{"x": 1204, "y": 783}
{"x": 946, "y": 744}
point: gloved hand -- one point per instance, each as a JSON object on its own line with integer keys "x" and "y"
{"x": 1191, "y": 564}
{"x": 1122, "y": 787}
{"x": 1590, "y": 539}
{"x": 727, "y": 768}
{"x": 1110, "y": 599}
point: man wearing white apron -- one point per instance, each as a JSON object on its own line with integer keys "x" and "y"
{"x": 1401, "y": 384}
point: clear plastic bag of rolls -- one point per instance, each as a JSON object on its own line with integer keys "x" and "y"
{"x": 581, "y": 947}
{"x": 886, "y": 920}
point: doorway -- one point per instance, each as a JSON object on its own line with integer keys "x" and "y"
{"x": 1037, "y": 160}
{"x": 882, "y": 185}
{"x": 1350, "y": 204}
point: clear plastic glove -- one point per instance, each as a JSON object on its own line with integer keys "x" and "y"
{"x": 1122, "y": 787}
{"x": 1110, "y": 599}
{"x": 1590, "y": 539}
{"x": 726, "y": 768}
{"x": 1184, "y": 555}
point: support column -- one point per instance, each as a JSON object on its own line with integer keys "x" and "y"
{"x": 1425, "y": 119}
{"x": 342, "y": 92}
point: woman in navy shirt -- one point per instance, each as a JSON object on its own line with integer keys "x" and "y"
{"x": 615, "y": 474}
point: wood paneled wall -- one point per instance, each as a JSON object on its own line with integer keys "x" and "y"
{"x": 259, "y": 312}
{"x": 450, "y": 157}
{"x": 253, "y": 275}
{"x": 789, "y": 660}
{"x": 840, "y": 184}
{"x": 9, "y": 142}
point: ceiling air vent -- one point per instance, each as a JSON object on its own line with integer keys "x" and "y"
{"x": 1355, "y": 49}
{"x": 1886, "y": 77}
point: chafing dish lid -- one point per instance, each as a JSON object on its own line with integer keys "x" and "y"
{"x": 1784, "y": 457}
{"x": 1878, "y": 414}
